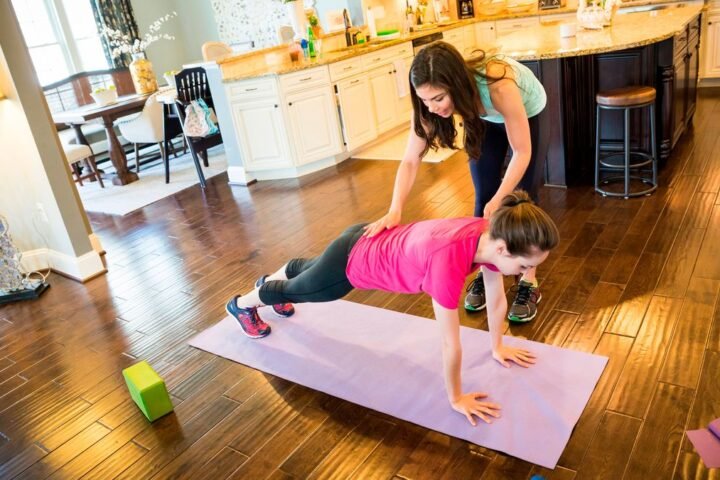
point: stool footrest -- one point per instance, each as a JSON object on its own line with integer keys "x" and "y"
{"x": 605, "y": 165}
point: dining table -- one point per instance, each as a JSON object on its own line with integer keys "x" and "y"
{"x": 107, "y": 114}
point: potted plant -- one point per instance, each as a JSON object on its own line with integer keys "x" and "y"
{"x": 104, "y": 96}
{"x": 140, "y": 68}
{"x": 170, "y": 77}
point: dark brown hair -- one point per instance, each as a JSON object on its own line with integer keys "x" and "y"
{"x": 523, "y": 226}
{"x": 441, "y": 66}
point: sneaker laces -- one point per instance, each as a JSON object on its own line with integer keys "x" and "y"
{"x": 476, "y": 286}
{"x": 523, "y": 293}
{"x": 254, "y": 317}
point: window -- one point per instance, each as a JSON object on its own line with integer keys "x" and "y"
{"x": 61, "y": 36}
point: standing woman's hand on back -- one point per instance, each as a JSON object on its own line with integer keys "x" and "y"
{"x": 491, "y": 206}
{"x": 390, "y": 220}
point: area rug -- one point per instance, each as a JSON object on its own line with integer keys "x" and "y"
{"x": 151, "y": 187}
{"x": 394, "y": 148}
{"x": 391, "y": 362}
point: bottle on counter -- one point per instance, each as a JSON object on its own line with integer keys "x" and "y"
{"x": 312, "y": 51}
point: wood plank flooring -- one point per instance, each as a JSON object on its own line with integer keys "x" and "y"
{"x": 634, "y": 280}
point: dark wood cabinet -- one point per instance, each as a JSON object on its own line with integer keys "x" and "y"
{"x": 680, "y": 84}
{"x": 693, "y": 65}
{"x": 671, "y": 66}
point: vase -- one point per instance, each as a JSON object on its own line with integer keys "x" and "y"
{"x": 142, "y": 74}
{"x": 295, "y": 11}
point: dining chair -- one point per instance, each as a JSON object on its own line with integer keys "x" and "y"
{"x": 214, "y": 50}
{"x": 75, "y": 153}
{"x": 150, "y": 127}
{"x": 192, "y": 84}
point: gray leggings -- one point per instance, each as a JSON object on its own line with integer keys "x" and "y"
{"x": 319, "y": 279}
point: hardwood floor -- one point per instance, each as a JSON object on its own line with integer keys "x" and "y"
{"x": 634, "y": 280}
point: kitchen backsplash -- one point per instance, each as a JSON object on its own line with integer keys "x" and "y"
{"x": 242, "y": 21}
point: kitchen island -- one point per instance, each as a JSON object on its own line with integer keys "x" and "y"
{"x": 290, "y": 119}
{"x": 658, "y": 48}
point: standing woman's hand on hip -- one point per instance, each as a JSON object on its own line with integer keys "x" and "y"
{"x": 390, "y": 220}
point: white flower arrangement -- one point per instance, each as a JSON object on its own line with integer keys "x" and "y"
{"x": 122, "y": 43}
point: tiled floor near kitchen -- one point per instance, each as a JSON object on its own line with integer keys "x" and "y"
{"x": 635, "y": 280}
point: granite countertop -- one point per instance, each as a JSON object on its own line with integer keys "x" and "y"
{"x": 629, "y": 30}
{"x": 541, "y": 42}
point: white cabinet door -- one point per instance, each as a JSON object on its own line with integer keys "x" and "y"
{"x": 314, "y": 126}
{"x": 358, "y": 116}
{"x": 455, "y": 38}
{"x": 469, "y": 41}
{"x": 711, "y": 48}
{"x": 384, "y": 96}
{"x": 484, "y": 35}
{"x": 404, "y": 105}
{"x": 260, "y": 128}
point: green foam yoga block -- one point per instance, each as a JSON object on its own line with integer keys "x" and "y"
{"x": 148, "y": 390}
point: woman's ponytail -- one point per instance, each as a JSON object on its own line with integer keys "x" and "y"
{"x": 523, "y": 226}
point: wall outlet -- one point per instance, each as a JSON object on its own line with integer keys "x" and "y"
{"x": 41, "y": 212}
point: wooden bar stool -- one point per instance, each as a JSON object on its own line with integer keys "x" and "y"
{"x": 634, "y": 164}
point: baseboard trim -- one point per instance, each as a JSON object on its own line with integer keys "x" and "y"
{"x": 239, "y": 176}
{"x": 81, "y": 269}
{"x": 96, "y": 244}
{"x": 709, "y": 82}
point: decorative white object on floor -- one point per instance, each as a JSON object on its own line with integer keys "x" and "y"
{"x": 394, "y": 148}
{"x": 121, "y": 200}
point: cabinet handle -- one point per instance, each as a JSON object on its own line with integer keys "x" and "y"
{"x": 276, "y": 105}
{"x": 377, "y": 59}
{"x": 348, "y": 67}
{"x": 250, "y": 89}
{"x": 305, "y": 79}
{"x": 355, "y": 81}
{"x": 290, "y": 104}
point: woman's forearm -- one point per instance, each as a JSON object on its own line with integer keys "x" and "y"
{"x": 496, "y": 322}
{"x": 452, "y": 363}
{"x": 404, "y": 180}
{"x": 516, "y": 170}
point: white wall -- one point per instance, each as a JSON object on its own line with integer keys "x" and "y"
{"x": 34, "y": 170}
{"x": 194, "y": 25}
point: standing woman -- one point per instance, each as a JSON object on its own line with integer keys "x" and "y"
{"x": 499, "y": 101}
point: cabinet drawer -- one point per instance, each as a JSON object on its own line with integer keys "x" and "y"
{"x": 387, "y": 55}
{"x": 304, "y": 79}
{"x": 345, "y": 69}
{"x": 252, "y": 88}
{"x": 505, "y": 27}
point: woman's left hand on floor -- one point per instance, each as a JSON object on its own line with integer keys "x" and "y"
{"x": 520, "y": 356}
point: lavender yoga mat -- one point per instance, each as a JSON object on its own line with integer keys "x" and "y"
{"x": 707, "y": 443}
{"x": 391, "y": 362}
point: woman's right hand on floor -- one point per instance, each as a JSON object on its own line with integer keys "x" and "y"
{"x": 390, "y": 220}
{"x": 469, "y": 405}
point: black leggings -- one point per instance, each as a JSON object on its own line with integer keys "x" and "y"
{"x": 319, "y": 279}
{"x": 487, "y": 170}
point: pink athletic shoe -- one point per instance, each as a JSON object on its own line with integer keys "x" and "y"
{"x": 282, "y": 309}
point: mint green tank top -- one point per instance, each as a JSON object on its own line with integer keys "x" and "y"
{"x": 532, "y": 91}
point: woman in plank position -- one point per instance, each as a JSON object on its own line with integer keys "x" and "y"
{"x": 432, "y": 256}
